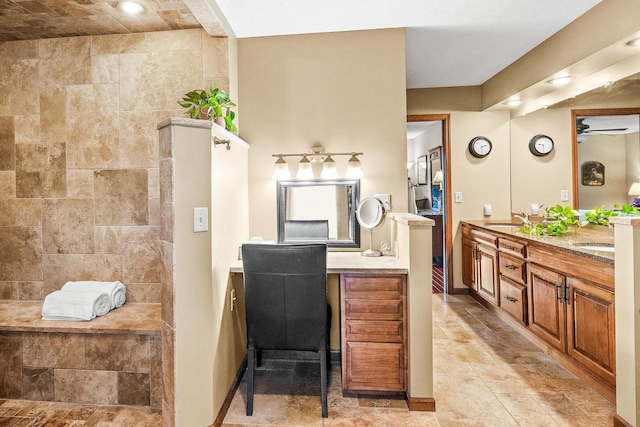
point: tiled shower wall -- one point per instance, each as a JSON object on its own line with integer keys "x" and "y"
{"x": 79, "y": 190}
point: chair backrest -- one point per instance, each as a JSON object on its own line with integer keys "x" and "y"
{"x": 286, "y": 296}
{"x": 306, "y": 229}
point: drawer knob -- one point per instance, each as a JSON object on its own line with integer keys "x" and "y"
{"x": 511, "y": 299}
{"x": 510, "y": 266}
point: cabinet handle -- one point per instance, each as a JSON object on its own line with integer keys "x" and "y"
{"x": 559, "y": 292}
{"x": 511, "y": 248}
{"x": 512, "y": 299}
{"x": 510, "y": 266}
{"x": 567, "y": 295}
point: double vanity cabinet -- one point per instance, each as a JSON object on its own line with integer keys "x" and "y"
{"x": 557, "y": 294}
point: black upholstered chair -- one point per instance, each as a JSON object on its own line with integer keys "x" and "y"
{"x": 286, "y": 304}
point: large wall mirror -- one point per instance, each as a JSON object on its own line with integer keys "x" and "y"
{"x": 319, "y": 211}
{"x": 606, "y": 156}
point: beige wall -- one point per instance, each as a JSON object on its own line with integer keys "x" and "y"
{"x": 345, "y": 91}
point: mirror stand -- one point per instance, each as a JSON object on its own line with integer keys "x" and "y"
{"x": 371, "y": 251}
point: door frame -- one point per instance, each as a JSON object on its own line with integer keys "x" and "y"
{"x": 446, "y": 166}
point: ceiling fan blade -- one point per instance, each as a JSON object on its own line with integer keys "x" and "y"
{"x": 605, "y": 130}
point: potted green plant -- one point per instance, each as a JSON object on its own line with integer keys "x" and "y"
{"x": 213, "y": 105}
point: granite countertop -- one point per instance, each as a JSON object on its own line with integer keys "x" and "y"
{"x": 590, "y": 234}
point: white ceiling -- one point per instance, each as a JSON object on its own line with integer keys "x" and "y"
{"x": 448, "y": 42}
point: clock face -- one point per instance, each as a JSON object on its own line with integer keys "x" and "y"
{"x": 480, "y": 147}
{"x": 540, "y": 145}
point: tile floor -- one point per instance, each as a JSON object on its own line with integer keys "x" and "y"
{"x": 485, "y": 374}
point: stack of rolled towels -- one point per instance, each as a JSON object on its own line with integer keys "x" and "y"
{"x": 83, "y": 300}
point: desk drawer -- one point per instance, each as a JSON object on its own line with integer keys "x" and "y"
{"x": 374, "y": 330}
{"x": 373, "y": 287}
{"x": 356, "y": 308}
{"x": 513, "y": 267}
{"x": 515, "y": 248}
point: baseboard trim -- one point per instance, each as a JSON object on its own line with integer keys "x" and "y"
{"x": 426, "y": 404}
{"x": 619, "y": 422}
{"x": 458, "y": 291}
{"x": 229, "y": 397}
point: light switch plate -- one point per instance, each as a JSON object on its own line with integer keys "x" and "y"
{"x": 458, "y": 196}
{"x": 385, "y": 199}
{"x": 564, "y": 195}
{"x": 200, "y": 220}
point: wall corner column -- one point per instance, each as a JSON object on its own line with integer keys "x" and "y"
{"x": 627, "y": 319}
{"x": 411, "y": 237}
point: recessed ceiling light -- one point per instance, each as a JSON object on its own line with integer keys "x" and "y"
{"x": 130, "y": 7}
{"x": 513, "y": 102}
{"x": 634, "y": 42}
{"x": 558, "y": 81}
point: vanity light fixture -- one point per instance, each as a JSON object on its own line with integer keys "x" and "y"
{"x": 130, "y": 7}
{"x": 560, "y": 80}
{"x": 329, "y": 170}
{"x": 281, "y": 170}
{"x": 305, "y": 168}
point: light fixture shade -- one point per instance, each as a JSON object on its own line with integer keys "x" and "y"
{"x": 354, "y": 170}
{"x": 281, "y": 170}
{"x": 560, "y": 80}
{"x": 329, "y": 170}
{"x": 438, "y": 178}
{"x": 635, "y": 189}
{"x": 304, "y": 169}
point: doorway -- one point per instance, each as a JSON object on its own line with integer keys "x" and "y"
{"x": 428, "y": 164}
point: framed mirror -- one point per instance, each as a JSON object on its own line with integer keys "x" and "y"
{"x": 319, "y": 211}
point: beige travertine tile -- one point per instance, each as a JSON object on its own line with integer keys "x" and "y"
{"x": 7, "y": 184}
{"x": 121, "y": 197}
{"x": 128, "y": 353}
{"x": 21, "y": 253}
{"x": 53, "y": 113}
{"x": 53, "y": 350}
{"x": 27, "y": 129}
{"x": 31, "y": 290}
{"x": 104, "y": 69}
{"x": 37, "y": 383}
{"x": 168, "y": 368}
{"x": 20, "y": 213}
{"x": 162, "y": 88}
{"x": 141, "y": 261}
{"x": 139, "y": 139}
{"x": 80, "y": 183}
{"x": 133, "y": 389}
{"x": 62, "y": 268}
{"x": 166, "y": 200}
{"x": 7, "y": 144}
{"x": 10, "y": 365}
{"x": 92, "y": 123}
{"x": 40, "y": 170}
{"x": 61, "y": 238}
{"x": 82, "y": 386}
{"x": 215, "y": 57}
{"x": 186, "y": 40}
{"x": 168, "y": 287}
{"x": 117, "y": 43}
{"x": 144, "y": 292}
{"x": 19, "y": 87}
{"x": 22, "y": 49}
{"x": 155, "y": 377}
{"x": 8, "y": 290}
{"x": 65, "y": 61}
{"x": 107, "y": 239}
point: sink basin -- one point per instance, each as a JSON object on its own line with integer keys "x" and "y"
{"x": 602, "y": 247}
{"x": 503, "y": 224}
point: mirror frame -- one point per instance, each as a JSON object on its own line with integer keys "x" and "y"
{"x": 354, "y": 200}
{"x": 574, "y": 139}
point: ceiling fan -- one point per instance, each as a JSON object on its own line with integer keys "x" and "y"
{"x": 582, "y": 127}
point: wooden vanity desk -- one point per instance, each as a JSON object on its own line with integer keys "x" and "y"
{"x": 373, "y": 322}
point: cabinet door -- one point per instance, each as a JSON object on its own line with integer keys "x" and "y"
{"x": 590, "y": 328}
{"x": 547, "y": 314}
{"x": 487, "y": 274}
{"x": 469, "y": 263}
{"x": 373, "y": 366}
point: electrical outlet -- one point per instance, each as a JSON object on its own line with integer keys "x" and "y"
{"x": 564, "y": 195}
{"x": 232, "y": 302}
{"x": 458, "y": 196}
{"x": 385, "y": 199}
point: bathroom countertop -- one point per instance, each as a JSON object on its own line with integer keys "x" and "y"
{"x": 131, "y": 318}
{"x": 590, "y": 234}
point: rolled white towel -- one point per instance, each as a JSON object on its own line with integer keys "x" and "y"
{"x": 75, "y": 305}
{"x": 116, "y": 290}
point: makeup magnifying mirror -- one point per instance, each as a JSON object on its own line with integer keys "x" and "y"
{"x": 371, "y": 215}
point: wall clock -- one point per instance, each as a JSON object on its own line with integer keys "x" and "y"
{"x": 541, "y": 145}
{"x": 480, "y": 147}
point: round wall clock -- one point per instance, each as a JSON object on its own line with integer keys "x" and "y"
{"x": 480, "y": 147}
{"x": 541, "y": 145}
